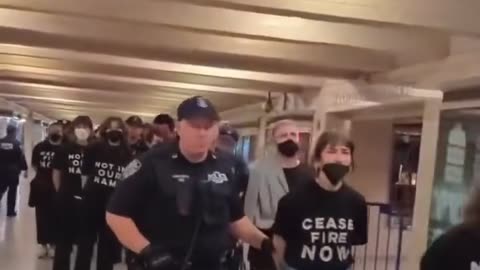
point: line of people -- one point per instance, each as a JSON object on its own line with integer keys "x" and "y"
{"x": 177, "y": 198}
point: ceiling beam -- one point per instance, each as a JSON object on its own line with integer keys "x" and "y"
{"x": 94, "y": 93}
{"x": 193, "y": 43}
{"x": 454, "y": 72}
{"x": 146, "y": 82}
{"x": 219, "y": 20}
{"x": 445, "y": 15}
{"x": 99, "y": 58}
{"x": 85, "y": 109}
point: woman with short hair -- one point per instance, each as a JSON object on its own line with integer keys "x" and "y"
{"x": 317, "y": 224}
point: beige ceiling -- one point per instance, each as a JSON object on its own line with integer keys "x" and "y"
{"x": 123, "y": 57}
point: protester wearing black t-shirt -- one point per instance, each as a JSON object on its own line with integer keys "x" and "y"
{"x": 67, "y": 172}
{"x": 317, "y": 225}
{"x": 458, "y": 248}
{"x": 103, "y": 165}
{"x": 42, "y": 190}
{"x": 271, "y": 178}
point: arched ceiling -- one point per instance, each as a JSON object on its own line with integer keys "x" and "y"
{"x": 123, "y": 57}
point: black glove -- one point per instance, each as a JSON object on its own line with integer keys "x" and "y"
{"x": 267, "y": 246}
{"x": 156, "y": 258}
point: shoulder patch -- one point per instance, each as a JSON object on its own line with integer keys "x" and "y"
{"x": 132, "y": 168}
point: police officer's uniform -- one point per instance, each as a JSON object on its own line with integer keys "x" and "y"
{"x": 181, "y": 205}
{"x": 12, "y": 162}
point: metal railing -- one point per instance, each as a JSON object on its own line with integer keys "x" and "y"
{"x": 386, "y": 229}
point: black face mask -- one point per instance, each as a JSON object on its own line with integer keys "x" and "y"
{"x": 55, "y": 137}
{"x": 335, "y": 172}
{"x": 114, "y": 136}
{"x": 288, "y": 148}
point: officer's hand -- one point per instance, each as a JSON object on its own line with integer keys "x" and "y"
{"x": 156, "y": 258}
{"x": 267, "y": 246}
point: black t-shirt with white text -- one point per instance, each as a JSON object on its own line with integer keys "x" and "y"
{"x": 457, "y": 249}
{"x": 104, "y": 165}
{"x": 42, "y": 157}
{"x": 297, "y": 176}
{"x": 320, "y": 227}
{"x": 69, "y": 160}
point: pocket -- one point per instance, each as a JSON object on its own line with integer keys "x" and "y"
{"x": 215, "y": 202}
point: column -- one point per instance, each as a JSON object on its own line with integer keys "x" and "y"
{"x": 423, "y": 195}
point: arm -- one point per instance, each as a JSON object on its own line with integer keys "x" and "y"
{"x": 244, "y": 230}
{"x": 57, "y": 177}
{"x": 280, "y": 247}
{"x": 88, "y": 163}
{"x": 127, "y": 232}
{"x": 361, "y": 227}
{"x": 281, "y": 230}
{"x": 59, "y": 164}
{"x": 35, "y": 157}
{"x": 127, "y": 200}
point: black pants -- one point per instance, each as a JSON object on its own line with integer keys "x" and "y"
{"x": 95, "y": 230}
{"x": 68, "y": 209}
{"x": 10, "y": 183}
{"x": 46, "y": 227}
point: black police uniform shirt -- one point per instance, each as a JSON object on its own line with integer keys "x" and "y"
{"x": 69, "y": 160}
{"x": 298, "y": 176}
{"x": 457, "y": 249}
{"x": 12, "y": 159}
{"x": 167, "y": 196}
{"x": 103, "y": 164}
{"x": 320, "y": 227}
{"x": 241, "y": 172}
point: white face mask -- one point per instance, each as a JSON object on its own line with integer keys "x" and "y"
{"x": 82, "y": 134}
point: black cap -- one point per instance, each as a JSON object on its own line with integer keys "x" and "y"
{"x": 197, "y": 107}
{"x": 134, "y": 121}
{"x": 227, "y": 130}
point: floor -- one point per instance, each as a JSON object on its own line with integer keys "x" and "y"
{"x": 18, "y": 249}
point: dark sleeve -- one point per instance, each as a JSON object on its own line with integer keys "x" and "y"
{"x": 60, "y": 159}
{"x": 282, "y": 219}
{"x": 23, "y": 161}
{"x": 36, "y": 156}
{"x": 132, "y": 192}
{"x": 361, "y": 224}
{"x": 242, "y": 176}
{"x": 88, "y": 164}
{"x": 433, "y": 257}
{"x": 236, "y": 209}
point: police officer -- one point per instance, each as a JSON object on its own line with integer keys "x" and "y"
{"x": 226, "y": 142}
{"x": 134, "y": 135}
{"x": 177, "y": 204}
{"x": 12, "y": 162}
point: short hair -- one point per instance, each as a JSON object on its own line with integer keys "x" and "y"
{"x": 281, "y": 123}
{"x": 11, "y": 129}
{"x": 164, "y": 119}
{"x": 332, "y": 138}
